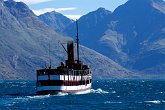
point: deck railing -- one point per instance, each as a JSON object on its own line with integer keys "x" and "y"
{"x": 63, "y": 71}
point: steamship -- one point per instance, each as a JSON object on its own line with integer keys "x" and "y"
{"x": 70, "y": 77}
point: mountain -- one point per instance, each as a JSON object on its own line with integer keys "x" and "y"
{"x": 140, "y": 22}
{"x": 133, "y": 35}
{"x": 55, "y": 20}
{"x": 91, "y": 27}
{"x": 23, "y": 39}
{"x": 24, "y": 46}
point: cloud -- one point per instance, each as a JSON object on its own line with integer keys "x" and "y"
{"x": 31, "y": 2}
{"x": 74, "y": 17}
{"x": 42, "y": 11}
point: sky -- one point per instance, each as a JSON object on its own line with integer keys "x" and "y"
{"x": 73, "y": 9}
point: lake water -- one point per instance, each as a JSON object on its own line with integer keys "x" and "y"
{"x": 105, "y": 95}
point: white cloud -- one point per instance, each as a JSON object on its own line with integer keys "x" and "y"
{"x": 74, "y": 17}
{"x": 30, "y": 2}
{"x": 42, "y": 11}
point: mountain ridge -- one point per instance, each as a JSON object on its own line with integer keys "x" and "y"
{"x": 56, "y": 24}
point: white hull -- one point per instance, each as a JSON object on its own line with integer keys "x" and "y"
{"x": 68, "y": 89}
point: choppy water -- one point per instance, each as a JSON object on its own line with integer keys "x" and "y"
{"x": 105, "y": 95}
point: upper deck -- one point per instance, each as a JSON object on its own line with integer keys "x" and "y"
{"x": 76, "y": 69}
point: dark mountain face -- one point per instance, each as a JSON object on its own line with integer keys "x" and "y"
{"x": 141, "y": 24}
{"x": 137, "y": 20}
{"x": 56, "y": 21}
{"x": 133, "y": 35}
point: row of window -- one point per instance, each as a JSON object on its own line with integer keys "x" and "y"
{"x": 63, "y": 83}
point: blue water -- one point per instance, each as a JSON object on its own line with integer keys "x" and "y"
{"x": 105, "y": 95}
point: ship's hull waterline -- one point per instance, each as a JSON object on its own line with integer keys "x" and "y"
{"x": 63, "y": 89}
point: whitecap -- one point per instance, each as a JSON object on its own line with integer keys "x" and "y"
{"x": 109, "y": 102}
{"x": 83, "y": 92}
{"x": 154, "y": 101}
{"x": 38, "y": 96}
{"x": 99, "y": 91}
{"x": 113, "y": 92}
{"x": 9, "y": 82}
{"x": 150, "y": 86}
{"x": 23, "y": 86}
{"x": 61, "y": 94}
{"x": 106, "y": 85}
{"x": 11, "y": 104}
{"x": 23, "y": 82}
{"x": 139, "y": 102}
{"x": 141, "y": 85}
{"x": 124, "y": 84}
{"x": 20, "y": 98}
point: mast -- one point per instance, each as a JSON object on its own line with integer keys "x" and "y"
{"x": 50, "y": 63}
{"x": 77, "y": 40}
